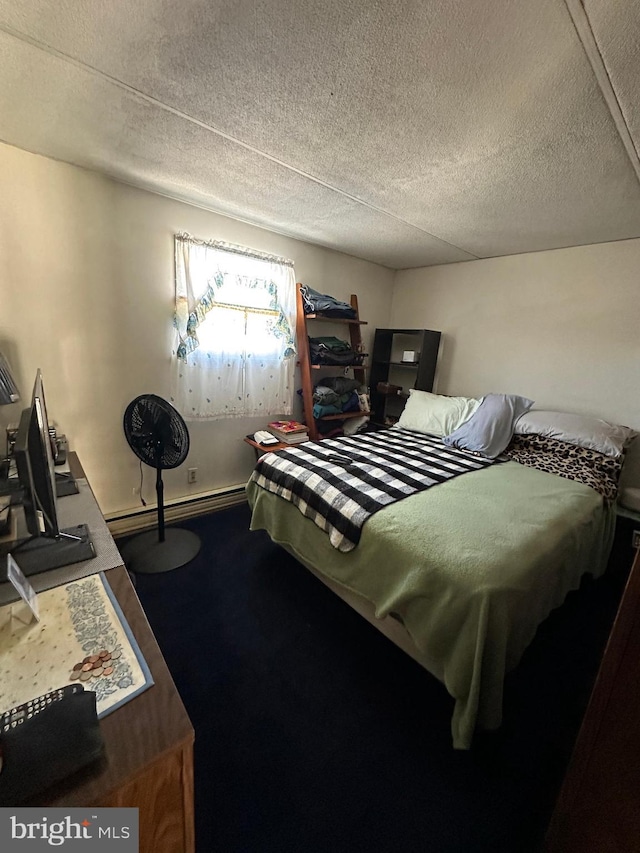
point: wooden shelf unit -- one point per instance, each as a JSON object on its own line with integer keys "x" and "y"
{"x": 306, "y": 368}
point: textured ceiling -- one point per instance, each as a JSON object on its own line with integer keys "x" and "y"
{"x": 406, "y": 132}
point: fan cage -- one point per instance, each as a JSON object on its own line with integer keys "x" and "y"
{"x": 156, "y": 432}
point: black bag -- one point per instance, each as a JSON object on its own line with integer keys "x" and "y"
{"x": 50, "y": 746}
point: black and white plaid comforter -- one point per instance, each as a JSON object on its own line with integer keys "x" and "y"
{"x": 340, "y": 482}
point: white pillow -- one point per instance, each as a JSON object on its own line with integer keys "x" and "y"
{"x": 582, "y": 430}
{"x": 436, "y": 414}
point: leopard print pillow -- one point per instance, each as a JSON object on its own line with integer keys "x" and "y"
{"x": 594, "y": 469}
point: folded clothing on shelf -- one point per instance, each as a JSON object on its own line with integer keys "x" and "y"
{"x": 329, "y": 306}
{"x": 332, "y": 388}
{"x": 333, "y": 351}
{"x": 345, "y": 403}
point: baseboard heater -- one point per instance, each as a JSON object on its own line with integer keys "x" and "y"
{"x": 122, "y": 524}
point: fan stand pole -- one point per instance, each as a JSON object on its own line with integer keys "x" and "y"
{"x": 149, "y": 423}
{"x": 160, "y": 494}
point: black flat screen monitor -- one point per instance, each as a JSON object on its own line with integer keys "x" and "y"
{"x": 48, "y": 547}
{"x": 34, "y": 461}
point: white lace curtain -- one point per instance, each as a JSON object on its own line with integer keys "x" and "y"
{"x": 235, "y": 321}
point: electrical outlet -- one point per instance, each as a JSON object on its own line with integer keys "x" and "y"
{"x": 135, "y": 491}
{"x": 192, "y": 475}
{"x": 636, "y": 539}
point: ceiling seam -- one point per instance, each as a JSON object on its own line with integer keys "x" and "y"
{"x": 201, "y": 205}
{"x": 52, "y": 51}
{"x": 581, "y": 22}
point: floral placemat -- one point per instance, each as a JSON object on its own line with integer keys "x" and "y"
{"x": 77, "y": 621}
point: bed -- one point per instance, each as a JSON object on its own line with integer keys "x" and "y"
{"x": 461, "y": 573}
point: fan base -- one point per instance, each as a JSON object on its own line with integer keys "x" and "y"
{"x": 144, "y": 554}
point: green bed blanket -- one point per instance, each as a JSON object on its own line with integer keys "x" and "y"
{"x": 470, "y": 567}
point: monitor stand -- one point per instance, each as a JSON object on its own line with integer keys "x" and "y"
{"x": 65, "y": 485}
{"x": 40, "y": 554}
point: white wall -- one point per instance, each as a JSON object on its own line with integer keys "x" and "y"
{"x": 86, "y": 293}
{"x": 86, "y": 290}
{"x": 561, "y": 327}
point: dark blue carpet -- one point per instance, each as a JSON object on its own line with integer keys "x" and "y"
{"x": 314, "y": 733}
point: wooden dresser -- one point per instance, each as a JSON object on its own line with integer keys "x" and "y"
{"x": 598, "y": 809}
{"x": 148, "y": 762}
{"x": 149, "y": 750}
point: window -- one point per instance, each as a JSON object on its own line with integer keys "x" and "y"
{"x": 235, "y": 316}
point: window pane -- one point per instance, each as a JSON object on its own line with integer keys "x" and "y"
{"x": 260, "y": 337}
{"x": 235, "y": 364}
{"x": 246, "y": 291}
{"x": 222, "y": 332}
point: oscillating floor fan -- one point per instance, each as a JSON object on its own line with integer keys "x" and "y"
{"x": 158, "y": 436}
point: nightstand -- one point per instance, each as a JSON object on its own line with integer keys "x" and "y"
{"x": 261, "y": 449}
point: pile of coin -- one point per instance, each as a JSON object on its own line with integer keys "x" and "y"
{"x": 95, "y": 666}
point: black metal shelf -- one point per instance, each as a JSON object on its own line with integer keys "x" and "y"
{"x": 397, "y": 363}
{"x": 419, "y": 374}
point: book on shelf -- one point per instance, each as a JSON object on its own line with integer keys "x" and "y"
{"x": 286, "y": 427}
{"x": 293, "y": 438}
